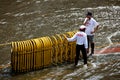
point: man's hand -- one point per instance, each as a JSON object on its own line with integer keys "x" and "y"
{"x": 92, "y": 32}
{"x": 86, "y": 20}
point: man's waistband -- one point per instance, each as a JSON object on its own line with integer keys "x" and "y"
{"x": 80, "y": 44}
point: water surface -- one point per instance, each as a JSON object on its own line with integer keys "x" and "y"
{"x": 28, "y": 19}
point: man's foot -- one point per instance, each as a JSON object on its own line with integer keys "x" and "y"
{"x": 91, "y": 54}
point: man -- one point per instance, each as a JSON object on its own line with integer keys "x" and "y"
{"x": 91, "y": 28}
{"x": 81, "y": 44}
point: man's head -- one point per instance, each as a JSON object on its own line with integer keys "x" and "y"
{"x": 89, "y": 15}
{"x": 82, "y": 28}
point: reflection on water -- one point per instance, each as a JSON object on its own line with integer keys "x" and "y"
{"x": 28, "y": 19}
{"x": 107, "y": 69}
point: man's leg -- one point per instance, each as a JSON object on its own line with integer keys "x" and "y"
{"x": 92, "y": 48}
{"x": 84, "y": 53}
{"x": 77, "y": 54}
{"x": 88, "y": 39}
{"x": 92, "y": 44}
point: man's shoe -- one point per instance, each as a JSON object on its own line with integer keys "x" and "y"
{"x": 90, "y": 55}
{"x": 85, "y": 66}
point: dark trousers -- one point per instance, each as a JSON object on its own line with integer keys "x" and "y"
{"x": 84, "y": 53}
{"x": 91, "y": 43}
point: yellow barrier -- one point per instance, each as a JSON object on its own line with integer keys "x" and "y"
{"x": 71, "y": 48}
{"x": 42, "y": 52}
{"x": 47, "y": 48}
{"x": 54, "y": 50}
{"x": 38, "y": 54}
{"x": 65, "y": 48}
{"x": 60, "y": 48}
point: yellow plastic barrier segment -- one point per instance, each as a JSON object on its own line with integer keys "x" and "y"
{"x": 30, "y": 56}
{"x": 13, "y": 56}
{"x": 39, "y": 54}
{"x": 24, "y": 67}
{"x": 19, "y": 60}
{"x": 60, "y": 48}
{"x": 26, "y": 49}
{"x": 20, "y": 57}
{"x": 37, "y": 62}
{"x": 42, "y": 52}
{"x": 71, "y": 48}
{"x": 47, "y": 51}
{"x": 51, "y": 49}
{"x": 54, "y": 50}
{"x": 27, "y": 55}
{"x": 65, "y": 48}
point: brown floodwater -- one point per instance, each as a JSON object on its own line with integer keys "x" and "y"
{"x": 29, "y": 19}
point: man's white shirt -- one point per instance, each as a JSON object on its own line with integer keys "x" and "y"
{"x": 80, "y": 38}
{"x": 90, "y": 25}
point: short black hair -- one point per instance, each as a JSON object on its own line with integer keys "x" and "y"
{"x": 89, "y": 14}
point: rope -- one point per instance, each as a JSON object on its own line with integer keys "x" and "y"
{"x": 5, "y": 44}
